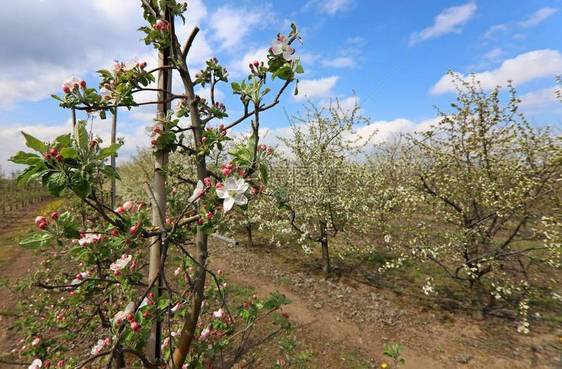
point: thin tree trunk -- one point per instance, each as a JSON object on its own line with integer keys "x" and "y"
{"x": 73, "y": 116}
{"x": 249, "y": 231}
{"x": 326, "y": 267}
{"x": 190, "y": 324}
{"x": 113, "y": 159}
{"x": 153, "y": 349}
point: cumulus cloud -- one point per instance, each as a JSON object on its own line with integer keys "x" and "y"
{"x": 313, "y": 88}
{"x": 240, "y": 67}
{"x": 330, "y": 7}
{"x": 538, "y": 17}
{"x": 450, "y": 20}
{"x": 539, "y": 99}
{"x": 339, "y": 62}
{"x": 520, "y": 69}
{"x": 231, "y": 25}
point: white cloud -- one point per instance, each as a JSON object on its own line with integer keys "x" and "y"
{"x": 312, "y": 88}
{"x": 449, "y": 20}
{"x": 231, "y": 25}
{"x": 334, "y": 6}
{"x": 495, "y": 29}
{"x": 520, "y": 69}
{"x": 339, "y": 62}
{"x": 538, "y": 16}
{"x": 539, "y": 99}
{"x": 241, "y": 67}
{"x": 330, "y": 7}
{"x": 493, "y": 54}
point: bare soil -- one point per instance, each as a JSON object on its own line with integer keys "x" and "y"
{"x": 343, "y": 320}
{"x": 343, "y": 317}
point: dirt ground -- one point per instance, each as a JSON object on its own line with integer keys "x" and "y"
{"x": 343, "y": 321}
{"x": 15, "y": 262}
{"x": 342, "y": 318}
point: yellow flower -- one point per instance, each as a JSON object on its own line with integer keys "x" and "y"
{"x": 384, "y": 365}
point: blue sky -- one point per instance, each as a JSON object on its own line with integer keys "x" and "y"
{"x": 391, "y": 54}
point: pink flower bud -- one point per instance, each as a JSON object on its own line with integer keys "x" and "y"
{"x": 60, "y": 363}
{"x": 55, "y": 215}
{"x": 135, "y": 326}
{"x": 207, "y": 181}
{"x": 83, "y": 84}
{"x": 66, "y": 89}
{"x": 41, "y": 222}
{"x": 120, "y": 210}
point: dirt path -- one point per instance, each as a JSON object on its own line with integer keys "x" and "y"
{"x": 15, "y": 262}
{"x": 345, "y": 316}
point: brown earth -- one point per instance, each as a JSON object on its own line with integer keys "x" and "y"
{"x": 343, "y": 320}
{"x": 341, "y": 317}
{"x": 15, "y": 262}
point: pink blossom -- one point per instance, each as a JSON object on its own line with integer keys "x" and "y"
{"x": 121, "y": 263}
{"x": 35, "y": 364}
{"x": 128, "y": 205}
{"x": 100, "y": 345}
{"x": 218, "y": 314}
{"x": 204, "y": 334}
{"x": 36, "y": 341}
{"x": 89, "y": 239}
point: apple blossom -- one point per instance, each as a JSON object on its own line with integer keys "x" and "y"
{"x": 135, "y": 326}
{"x": 121, "y": 263}
{"x": 233, "y": 193}
{"x": 89, "y": 239}
{"x": 198, "y": 192}
{"x": 204, "y": 334}
{"x": 218, "y": 314}
{"x": 60, "y": 364}
{"x": 128, "y": 205}
{"x": 36, "y": 341}
{"x": 100, "y": 345}
{"x": 41, "y": 222}
{"x": 280, "y": 46}
{"x": 36, "y": 364}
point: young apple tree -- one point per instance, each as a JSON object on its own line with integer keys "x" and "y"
{"x": 489, "y": 177}
{"x": 322, "y": 186}
{"x": 114, "y": 299}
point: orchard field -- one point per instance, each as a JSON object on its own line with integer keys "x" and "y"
{"x": 214, "y": 248}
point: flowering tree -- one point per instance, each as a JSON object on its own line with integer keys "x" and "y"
{"x": 321, "y": 187}
{"x": 158, "y": 321}
{"x": 489, "y": 178}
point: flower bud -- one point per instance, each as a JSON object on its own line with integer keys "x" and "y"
{"x": 54, "y": 215}
{"x": 135, "y": 326}
{"x": 53, "y": 152}
{"x": 82, "y": 84}
{"x": 59, "y": 157}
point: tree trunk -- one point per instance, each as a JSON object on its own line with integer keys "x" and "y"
{"x": 190, "y": 324}
{"x": 113, "y": 159}
{"x": 249, "y": 232}
{"x": 153, "y": 348}
{"x": 326, "y": 267}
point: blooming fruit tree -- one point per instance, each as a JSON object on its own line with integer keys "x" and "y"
{"x": 494, "y": 183}
{"x": 121, "y": 301}
{"x": 322, "y": 187}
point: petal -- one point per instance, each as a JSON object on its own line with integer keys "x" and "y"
{"x": 228, "y": 204}
{"x": 240, "y": 199}
{"x": 230, "y": 184}
{"x": 221, "y": 193}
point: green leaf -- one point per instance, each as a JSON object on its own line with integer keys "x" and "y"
{"x": 235, "y": 87}
{"x": 37, "y": 240}
{"x": 81, "y": 185}
{"x": 26, "y": 158}
{"x": 109, "y": 171}
{"x": 81, "y": 134}
{"x": 56, "y": 183}
{"x": 63, "y": 140}
{"x": 109, "y": 151}
{"x": 34, "y": 143}
{"x": 69, "y": 153}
